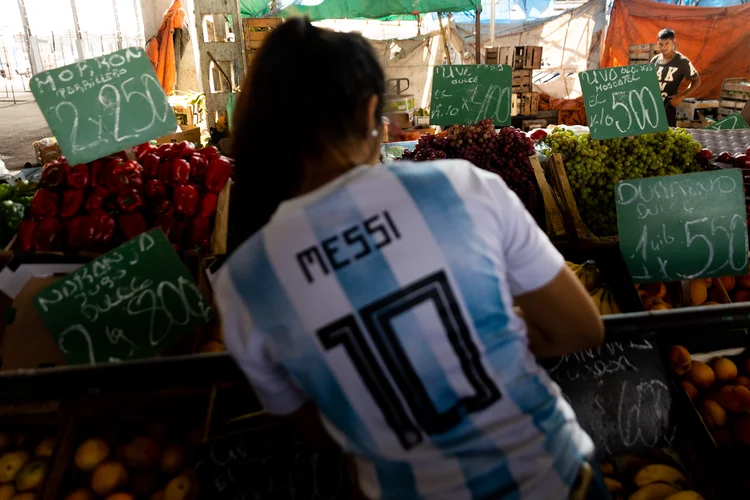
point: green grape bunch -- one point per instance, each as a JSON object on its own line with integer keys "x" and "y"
{"x": 594, "y": 167}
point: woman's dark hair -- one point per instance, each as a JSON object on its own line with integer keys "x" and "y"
{"x": 307, "y": 91}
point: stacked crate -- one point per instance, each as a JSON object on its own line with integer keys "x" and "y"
{"x": 642, "y": 54}
{"x": 524, "y": 60}
{"x": 255, "y": 31}
{"x": 735, "y": 92}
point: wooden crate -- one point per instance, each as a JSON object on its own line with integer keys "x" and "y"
{"x": 492, "y": 55}
{"x": 735, "y": 93}
{"x": 525, "y": 104}
{"x": 522, "y": 57}
{"x": 642, "y": 54}
{"x": 255, "y": 31}
{"x": 553, "y": 215}
{"x": 522, "y": 81}
{"x": 532, "y": 56}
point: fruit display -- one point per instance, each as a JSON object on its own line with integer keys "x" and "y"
{"x": 132, "y": 460}
{"x": 698, "y": 292}
{"x": 25, "y": 460}
{"x": 97, "y": 206}
{"x": 505, "y": 152}
{"x": 653, "y": 477}
{"x": 733, "y": 142}
{"x": 593, "y": 167}
{"x": 602, "y": 295}
{"x": 14, "y": 202}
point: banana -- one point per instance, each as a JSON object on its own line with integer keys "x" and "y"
{"x": 656, "y": 473}
{"x": 613, "y": 305}
{"x": 597, "y": 297}
{"x": 685, "y": 495}
{"x": 612, "y": 485}
{"x": 604, "y": 307}
{"x": 654, "y": 491}
{"x": 587, "y": 273}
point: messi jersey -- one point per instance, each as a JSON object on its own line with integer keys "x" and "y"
{"x": 385, "y": 297}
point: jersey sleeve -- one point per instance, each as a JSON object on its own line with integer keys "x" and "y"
{"x": 531, "y": 258}
{"x": 688, "y": 69}
{"x": 275, "y": 389}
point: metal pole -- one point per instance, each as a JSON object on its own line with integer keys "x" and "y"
{"x": 138, "y": 21}
{"x": 492, "y": 23}
{"x": 118, "y": 32}
{"x": 445, "y": 38}
{"x": 77, "y": 27}
{"x": 479, "y": 37}
{"x": 33, "y": 63}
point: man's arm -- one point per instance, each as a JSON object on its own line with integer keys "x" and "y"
{"x": 695, "y": 82}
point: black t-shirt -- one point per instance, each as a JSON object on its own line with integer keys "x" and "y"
{"x": 671, "y": 74}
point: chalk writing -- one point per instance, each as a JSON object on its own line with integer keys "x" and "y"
{"x": 470, "y": 94}
{"x": 731, "y": 122}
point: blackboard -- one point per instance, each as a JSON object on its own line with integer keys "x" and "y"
{"x": 270, "y": 462}
{"x": 103, "y": 105}
{"x": 466, "y": 95}
{"x": 129, "y": 303}
{"x": 623, "y": 101}
{"x": 682, "y": 227}
{"x": 620, "y": 394}
{"x": 731, "y": 122}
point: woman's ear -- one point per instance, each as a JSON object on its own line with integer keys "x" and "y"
{"x": 373, "y": 122}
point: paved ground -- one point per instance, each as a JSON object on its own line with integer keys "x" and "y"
{"x": 20, "y": 125}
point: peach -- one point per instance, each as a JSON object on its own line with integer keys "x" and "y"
{"x": 724, "y": 369}
{"x": 713, "y": 414}
{"x": 700, "y": 375}
{"x": 734, "y": 398}
{"x": 728, "y": 282}
{"x": 692, "y": 392}
{"x": 108, "y": 477}
{"x": 698, "y": 292}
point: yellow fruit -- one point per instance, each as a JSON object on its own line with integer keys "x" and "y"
{"x": 178, "y": 488}
{"x": 11, "y": 464}
{"x": 680, "y": 359}
{"x": 31, "y": 476}
{"x": 713, "y": 414}
{"x": 81, "y": 494}
{"x": 735, "y": 398}
{"x": 658, "y": 473}
{"x": 7, "y": 491}
{"x": 654, "y": 491}
{"x": 698, "y": 292}
{"x": 724, "y": 369}
{"x": 142, "y": 453}
{"x": 612, "y": 485}
{"x": 700, "y": 375}
{"x": 91, "y": 453}
{"x": 45, "y": 448}
{"x": 685, "y": 495}
{"x": 108, "y": 477}
{"x": 172, "y": 459}
{"x": 587, "y": 273}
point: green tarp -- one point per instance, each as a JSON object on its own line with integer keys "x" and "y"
{"x": 356, "y": 9}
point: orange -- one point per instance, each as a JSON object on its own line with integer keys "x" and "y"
{"x": 692, "y": 392}
{"x": 680, "y": 358}
{"x": 724, "y": 369}
{"x": 713, "y": 414}
{"x": 700, "y": 375}
{"x": 698, "y": 292}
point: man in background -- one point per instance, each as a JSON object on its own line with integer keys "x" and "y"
{"x": 671, "y": 68}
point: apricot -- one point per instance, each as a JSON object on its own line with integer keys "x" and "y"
{"x": 724, "y": 369}
{"x": 108, "y": 477}
{"x": 728, "y": 282}
{"x": 700, "y": 375}
{"x": 692, "y": 392}
{"x": 734, "y": 398}
{"x": 741, "y": 429}
{"x": 743, "y": 281}
{"x": 698, "y": 292}
{"x": 741, "y": 296}
{"x": 680, "y": 359}
{"x": 713, "y": 414}
{"x": 91, "y": 453}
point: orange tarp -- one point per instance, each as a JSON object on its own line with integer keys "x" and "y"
{"x": 715, "y": 39}
{"x": 160, "y": 49}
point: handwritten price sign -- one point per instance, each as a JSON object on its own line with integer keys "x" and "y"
{"x": 683, "y": 227}
{"x": 129, "y": 303}
{"x": 104, "y": 105}
{"x": 731, "y": 122}
{"x": 624, "y": 101}
{"x": 465, "y": 95}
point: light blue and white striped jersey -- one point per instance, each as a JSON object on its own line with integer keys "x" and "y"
{"x": 385, "y": 297}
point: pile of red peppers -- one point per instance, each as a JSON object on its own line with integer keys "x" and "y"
{"x": 102, "y": 204}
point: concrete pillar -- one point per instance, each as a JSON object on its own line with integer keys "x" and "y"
{"x": 79, "y": 39}
{"x": 35, "y": 60}
{"x": 153, "y": 12}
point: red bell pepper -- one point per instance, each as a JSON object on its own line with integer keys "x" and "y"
{"x": 177, "y": 234}
{"x": 179, "y": 172}
{"x": 132, "y": 225}
{"x": 95, "y": 202}
{"x": 81, "y": 231}
{"x": 184, "y": 149}
{"x": 208, "y": 205}
{"x": 209, "y": 153}
{"x": 53, "y": 174}
{"x": 185, "y": 200}
{"x": 77, "y": 176}
{"x": 151, "y": 165}
{"x": 47, "y": 235}
{"x": 218, "y": 174}
{"x": 165, "y": 222}
{"x": 26, "y": 230}
{"x": 45, "y": 203}
{"x": 144, "y": 149}
{"x": 130, "y": 202}
{"x": 165, "y": 207}
{"x": 104, "y": 228}
{"x": 71, "y": 202}
{"x": 198, "y": 167}
{"x": 200, "y": 232}
{"x": 128, "y": 178}
{"x": 107, "y": 178}
{"x": 96, "y": 167}
{"x": 155, "y": 191}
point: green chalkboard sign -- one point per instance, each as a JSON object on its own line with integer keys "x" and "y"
{"x": 623, "y": 101}
{"x": 129, "y": 303}
{"x": 465, "y": 95}
{"x": 731, "y": 122}
{"x": 103, "y": 105}
{"x": 683, "y": 226}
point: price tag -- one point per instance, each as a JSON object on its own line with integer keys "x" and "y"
{"x": 103, "y": 105}
{"x": 129, "y": 303}
{"x": 683, "y": 227}
{"x": 731, "y": 122}
{"x": 465, "y": 95}
{"x": 623, "y": 101}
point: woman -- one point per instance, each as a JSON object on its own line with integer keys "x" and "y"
{"x": 376, "y": 302}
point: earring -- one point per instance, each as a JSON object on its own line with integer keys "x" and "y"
{"x": 375, "y": 134}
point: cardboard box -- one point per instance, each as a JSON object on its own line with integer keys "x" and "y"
{"x": 192, "y": 134}
{"x": 399, "y": 104}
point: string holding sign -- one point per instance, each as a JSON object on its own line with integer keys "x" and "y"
{"x": 103, "y": 105}
{"x": 623, "y": 101}
{"x": 466, "y": 95}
